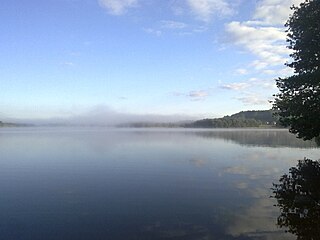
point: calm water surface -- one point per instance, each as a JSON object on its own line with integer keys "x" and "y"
{"x": 99, "y": 183}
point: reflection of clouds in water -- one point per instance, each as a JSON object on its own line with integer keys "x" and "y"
{"x": 241, "y": 185}
{"x": 253, "y": 173}
{"x": 258, "y": 221}
{"x": 258, "y": 164}
{"x": 240, "y": 170}
{"x": 274, "y": 138}
{"x": 257, "y": 155}
{"x": 198, "y": 162}
{"x": 176, "y": 230}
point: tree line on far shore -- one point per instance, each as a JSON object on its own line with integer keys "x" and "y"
{"x": 244, "y": 119}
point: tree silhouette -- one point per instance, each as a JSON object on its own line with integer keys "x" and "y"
{"x": 298, "y": 103}
{"x": 298, "y": 197}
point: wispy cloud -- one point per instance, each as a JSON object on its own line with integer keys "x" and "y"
{"x": 200, "y": 29}
{"x": 235, "y": 86}
{"x": 169, "y": 24}
{"x": 252, "y": 84}
{"x": 194, "y": 95}
{"x": 264, "y": 35}
{"x": 239, "y": 170}
{"x": 241, "y": 71}
{"x": 153, "y": 31}
{"x": 268, "y": 83}
{"x": 274, "y": 12}
{"x": 206, "y": 9}
{"x": 117, "y": 7}
{"x": 253, "y": 99}
{"x": 175, "y": 27}
{"x": 68, "y": 64}
{"x": 198, "y": 95}
{"x": 266, "y": 43}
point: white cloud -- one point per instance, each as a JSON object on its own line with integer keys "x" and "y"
{"x": 235, "y": 86}
{"x": 206, "y": 9}
{"x": 117, "y": 7}
{"x": 259, "y": 64}
{"x": 194, "y": 95}
{"x": 264, "y": 34}
{"x": 274, "y": 12}
{"x": 269, "y": 71}
{"x": 244, "y": 33}
{"x": 69, "y": 64}
{"x": 266, "y": 43}
{"x": 262, "y": 83}
{"x": 241, "y": 71}
{"x": 200, "y": 29}
{"x": 153, "y": 31}
{"x": 253, "y": 84}
{"x": 253, "y": 99}
{"x": 172, "y": 24}
{"x": 175, "y": 27}
{"x": 198, "y": 95}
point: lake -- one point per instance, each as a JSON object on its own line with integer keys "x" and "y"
{"x": 100, "y": 183}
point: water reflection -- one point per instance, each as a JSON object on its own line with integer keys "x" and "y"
{"x": 259, "y": 137}
{"x": 98, "y": 183}
{"x": 298, "y": 197}
{"x": 274, "y": 138}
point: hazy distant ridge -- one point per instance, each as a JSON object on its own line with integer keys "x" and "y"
{"x": 242, "y": 119}
{"x": 7, "y": 124}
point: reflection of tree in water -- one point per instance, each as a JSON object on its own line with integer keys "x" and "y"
{"x": 259, "y": 137}
{"x": 298, "y": 197}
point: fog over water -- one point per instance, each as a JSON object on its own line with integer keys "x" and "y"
{"x": 105, "y": 183}
{"x": 103, "y": 115}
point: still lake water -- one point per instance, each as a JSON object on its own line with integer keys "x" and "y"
{"x": 100, "y": 183}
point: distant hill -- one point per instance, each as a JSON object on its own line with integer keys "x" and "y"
{"x": 6, "y": 124}
{"x": 239, "y": 120}
{"x": 265, "y": 116}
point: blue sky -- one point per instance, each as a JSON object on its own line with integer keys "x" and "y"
{"x": 201, "y": 58}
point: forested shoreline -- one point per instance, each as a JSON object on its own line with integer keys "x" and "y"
{"x": 244, "y": 119}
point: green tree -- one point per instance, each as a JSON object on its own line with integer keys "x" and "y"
{"x": 298, "y": 102}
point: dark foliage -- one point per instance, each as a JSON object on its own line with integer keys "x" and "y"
{"x": 298, "y": 103}
{"x": 225, "y": 122}
{"x": 265, "y": 116}
{"x": 298, "y": 197}
{"x": 239, "y": 120}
